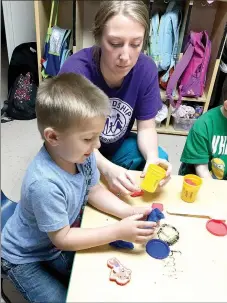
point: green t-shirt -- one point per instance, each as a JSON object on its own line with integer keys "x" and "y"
{"x": 207, "y": 144}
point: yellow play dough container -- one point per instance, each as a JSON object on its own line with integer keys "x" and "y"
{"x": 152, "y": 178}
{"x": 189, "y": 191}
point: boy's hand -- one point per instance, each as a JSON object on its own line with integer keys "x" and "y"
{"x": 134, "y": 210}
{"x": 132, "y": 229}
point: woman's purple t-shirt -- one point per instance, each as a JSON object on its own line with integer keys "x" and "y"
{"x": 137, "y": 98}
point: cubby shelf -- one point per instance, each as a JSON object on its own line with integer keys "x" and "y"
{"x": 196, "y": 17}
{"x": 201, "y": 99}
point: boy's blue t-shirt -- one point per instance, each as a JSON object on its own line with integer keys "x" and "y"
{"x": 51, "y": 199}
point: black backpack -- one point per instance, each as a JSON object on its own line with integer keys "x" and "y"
{"x": 22, "y": 83}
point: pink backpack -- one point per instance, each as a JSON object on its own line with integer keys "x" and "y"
{"x": 190, "y": 72}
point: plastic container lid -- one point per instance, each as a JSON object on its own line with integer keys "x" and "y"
{"x": 217, "y": 227}
{"x": 157, "y": 249}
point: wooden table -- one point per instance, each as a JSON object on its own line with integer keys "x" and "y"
{"x": 197, "y": 273}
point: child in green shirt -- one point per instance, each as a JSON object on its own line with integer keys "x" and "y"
{"x": 205, "y": 151}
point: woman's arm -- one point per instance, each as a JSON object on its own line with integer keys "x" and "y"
{"x": 147, "y": 139}
{"x": 148, "y": 145}
{"x": 103, "y": 164}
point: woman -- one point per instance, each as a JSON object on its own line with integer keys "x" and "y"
{"x": 130, "y": 79}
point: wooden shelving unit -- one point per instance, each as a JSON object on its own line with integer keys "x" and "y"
{"x": 196, "y": 16}
{"x": 202, "y": 99}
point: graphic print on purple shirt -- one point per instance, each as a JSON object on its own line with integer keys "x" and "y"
{"x": 117, "y": 122}
{"x": 138, "y": 97}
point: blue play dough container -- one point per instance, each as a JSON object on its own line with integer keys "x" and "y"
{"x": 157, "y": 249}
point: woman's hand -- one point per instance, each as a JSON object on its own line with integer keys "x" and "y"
{"x": 120, "y": 180}
{"x": 164, "y": 164}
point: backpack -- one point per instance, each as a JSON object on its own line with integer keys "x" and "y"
{"x": 21, "y": 99}
{"x": 164, "y": 38}
{"x": 22, "y": 83}
{"x": 56, "y": 48}
{"x": 23, "y": 60}
{"x": 190, "y": 72}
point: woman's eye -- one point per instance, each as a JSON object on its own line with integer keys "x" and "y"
{"x": 120, "y": 45}
{"x": 87, "y": 140}
{"x": 115, "y": 45}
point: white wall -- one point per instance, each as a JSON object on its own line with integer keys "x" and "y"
{"x": 19, "y": 20}
{"x": 90, "y": 9}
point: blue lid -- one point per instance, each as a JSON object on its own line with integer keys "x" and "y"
{"x": 157, "y": 249}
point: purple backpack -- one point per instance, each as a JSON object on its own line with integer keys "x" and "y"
{"x": 190, "y": 71}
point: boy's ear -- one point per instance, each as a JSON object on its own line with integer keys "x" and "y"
{"x": 51, "y": 136}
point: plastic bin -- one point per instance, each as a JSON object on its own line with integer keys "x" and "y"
{"x": 182, "y": 123}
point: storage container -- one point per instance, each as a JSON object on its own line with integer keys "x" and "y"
{"x": 182, "y": 123}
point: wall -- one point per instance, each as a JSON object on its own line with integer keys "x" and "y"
{"x": 90, "y": 9}
{"x": 19, "y": 23}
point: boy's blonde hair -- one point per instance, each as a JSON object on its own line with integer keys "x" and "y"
{"x": 67, "y": 100}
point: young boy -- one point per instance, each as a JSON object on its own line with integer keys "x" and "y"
{"x": 205, "y": 151}
{"x": 38, "y": 241}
